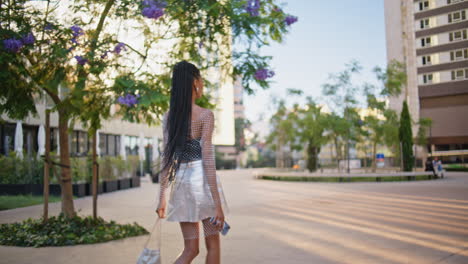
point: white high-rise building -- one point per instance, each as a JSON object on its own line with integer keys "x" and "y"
{"x": 430, "y": 37}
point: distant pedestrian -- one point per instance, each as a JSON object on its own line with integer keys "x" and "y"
{"x": 430, "y": 166}
{"x": 439, "y": 168}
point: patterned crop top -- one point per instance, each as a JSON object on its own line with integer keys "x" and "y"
{"x": 192, "y": 152}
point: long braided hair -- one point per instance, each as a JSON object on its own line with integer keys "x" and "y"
{"x": 180, "y": 114}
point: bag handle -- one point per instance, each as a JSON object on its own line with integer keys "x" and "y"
{"x": 156, "y": 223}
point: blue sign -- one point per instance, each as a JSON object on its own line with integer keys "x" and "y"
{"x": 379, "y": 155}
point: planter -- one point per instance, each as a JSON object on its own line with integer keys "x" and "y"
{"x": 124, "y": 183}
{"x": 79, "y": 189}
{"x": 155, "y": 178}
{"x": 12, "y": 189}
{"x": 89, "y": 190}
{"x": 110, "y": 186}
{"x": 135, "y": 182}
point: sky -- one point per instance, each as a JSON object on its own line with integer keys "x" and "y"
{"x": 328, "y": 35}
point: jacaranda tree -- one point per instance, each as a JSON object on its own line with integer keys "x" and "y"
{"x": 76, "y": 54}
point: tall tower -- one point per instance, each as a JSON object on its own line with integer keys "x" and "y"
{"x": 430, "y": 37}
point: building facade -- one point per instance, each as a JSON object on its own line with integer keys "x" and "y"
{"x": 430, "y": 37}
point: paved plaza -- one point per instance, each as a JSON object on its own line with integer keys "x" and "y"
{"x": 289, "y": 222}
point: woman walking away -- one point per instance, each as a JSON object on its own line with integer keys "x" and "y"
{"x": 188, "y": 163}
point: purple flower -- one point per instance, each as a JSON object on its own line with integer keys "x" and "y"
{"x": 12, "y": 45}
{"x": 28, "y": 39}
{"x": 153, "y": 9}
{"x": 118, "y": 48}
{"x": 290, "y": 20}
{"x": 80, "y": 60}
{"x": 200, "y": 44}
{"x": 128, "y": 100}
{"x": 252, "y": 7}
{"x": 77, "y": 31}
{"x": 263, "y": 74}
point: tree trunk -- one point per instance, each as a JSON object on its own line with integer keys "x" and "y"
{"x": 312, "y": 157}
{"x": 47, "y": 166}
{"x": 95, "y": 176}
{"x": 338, "y": 152}
{"x": 68, "y": 208}
{"x": 374, "y": 162}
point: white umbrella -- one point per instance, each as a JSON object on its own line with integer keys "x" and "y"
{"x": 141, "y": 147}
{"x": 98, "y": 150}
{"x": 123, "y": 153}
{"x": 141, "y": 153}
{"x": 155, "y": 148}
{"x": 19, "y": 140}
{"x": 41, "y": 141}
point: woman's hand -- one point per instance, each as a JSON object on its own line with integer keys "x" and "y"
{"x": 161, "y": 211}
{"x": 218, "y": 221}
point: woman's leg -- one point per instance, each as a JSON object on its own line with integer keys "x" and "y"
{"x": 212, "y": 242}
{"x": 190, "y": 232}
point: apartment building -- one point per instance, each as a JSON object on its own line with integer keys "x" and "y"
{"x": 431, "y": 37}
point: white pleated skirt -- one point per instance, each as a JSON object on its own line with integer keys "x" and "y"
{"x": 190, "y": 199}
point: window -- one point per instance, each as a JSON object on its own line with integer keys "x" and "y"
{"x": 111, "y": 145}
{"x": 460, "y": 74}
{"x": 426, "y": 60}
{"x": 426, "y": 42}
{"x": 423, "y": 5}
{"x": 427, "y": 78}
{"x": 8, "y": 138}
{"x": 454, "y": 1}
{"x": 459, "y": 55}
{"x": 457, "y": 16}
{"x": 117, "y": 145}
{"x": 424, "y": 23}
{"x": 83, "y": 142}
{"x": 53, "y": 139}
{"x": 103, "y": 143}
{"x": 74, "y": 150}
{"x": 458, "y": 35}
{"x": 132, "y": 146}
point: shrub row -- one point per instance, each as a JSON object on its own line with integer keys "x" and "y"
{"x": 30, "y": 170}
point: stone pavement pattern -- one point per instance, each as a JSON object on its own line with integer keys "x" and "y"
{"x": 289, "y": 222}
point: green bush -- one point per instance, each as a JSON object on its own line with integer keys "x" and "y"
{"x": 18, "y": 171}
{"x": 61, "y": 231}
{"x": 30, "y": 170}
{"x": 405, "y": 135}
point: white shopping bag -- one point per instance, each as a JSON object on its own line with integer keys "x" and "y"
{"x": 150, "y": 256}
{"x": 151, "y": 253}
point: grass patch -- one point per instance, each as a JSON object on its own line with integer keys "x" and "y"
{"x": 62, "y": 231}
{"x": 456, "y": 169}
{"x": 16, "y": 201}
{"x": 347, "y": 179}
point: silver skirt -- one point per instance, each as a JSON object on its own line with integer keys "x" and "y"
{"x": 190, "y": 199}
